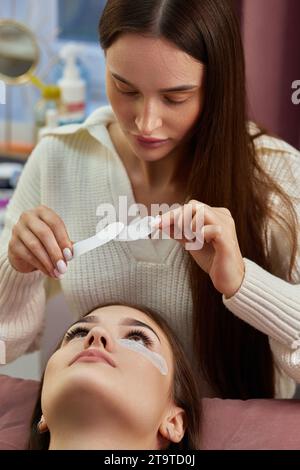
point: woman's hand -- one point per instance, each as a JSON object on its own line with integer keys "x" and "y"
{"x": 40, "y": 241}
{"x": 220, "y": 255}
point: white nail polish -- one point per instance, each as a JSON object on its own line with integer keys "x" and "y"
{"x": 67, "y": 254}
{"x": 157, "y": 221}
{"x": 58, "y": 275}
{"x": 61, "y": 266}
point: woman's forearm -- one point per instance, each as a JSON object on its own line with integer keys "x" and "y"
{"x": 22, "y": 305}
{"x": 269, "y": 304}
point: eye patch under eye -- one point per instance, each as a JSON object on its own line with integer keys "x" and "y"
{"x": 156, "y": 359}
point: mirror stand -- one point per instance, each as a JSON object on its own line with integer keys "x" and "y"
{"x": 19, "y": 56}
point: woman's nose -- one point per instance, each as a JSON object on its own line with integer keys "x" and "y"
{"x": 99, "y": 337}
{"x": 148, "y": 120}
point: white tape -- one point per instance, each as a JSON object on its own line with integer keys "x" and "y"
{"x": 109, "y": 233}
{"x": 138, "y": 229}
{"x": 156, "y": 359}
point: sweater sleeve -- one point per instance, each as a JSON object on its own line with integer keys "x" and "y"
{"x": 267, "y": 301}
{"x": 22, "y": 296}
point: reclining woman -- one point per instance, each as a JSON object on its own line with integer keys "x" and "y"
{"x": 119, "y": 380}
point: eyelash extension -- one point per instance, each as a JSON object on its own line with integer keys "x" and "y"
{"x": 132, "y": 93}
{"x": 78, "y": 331}
{"x": 147, "y": 340}
{"x": 75, "y": 332}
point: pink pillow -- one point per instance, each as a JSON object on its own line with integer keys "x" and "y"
{"x": 227, "y": 424}
{"x": 17, "y": 400}
{"x": 251, "y": 424}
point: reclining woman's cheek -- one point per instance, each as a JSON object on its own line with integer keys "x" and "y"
{"x": 156, "y": 359}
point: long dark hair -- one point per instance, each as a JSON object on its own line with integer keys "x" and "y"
{"x": 185, "y": 392}
{"x": 225, "y": 171}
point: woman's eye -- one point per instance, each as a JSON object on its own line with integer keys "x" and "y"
{"x": 125, "y": 92}
{"x": 128, "y": 92}
{"x": 168, "y": 100}
{"x": 175, "y": 102}
{"x": 76, "y": 333}
{"x": 140, "y": 337}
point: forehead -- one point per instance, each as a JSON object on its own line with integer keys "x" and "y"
{"x": 136, "y": 56}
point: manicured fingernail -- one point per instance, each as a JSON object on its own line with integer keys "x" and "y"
{"x": 58, "y": 275}
{"x": 67, "y": 254}
{"x": 61, "y": 266}
{"x": 157, "y": 221}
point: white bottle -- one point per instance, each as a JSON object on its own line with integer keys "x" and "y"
{"x": 72, "y": 87}
{"x": 51, "y": 122}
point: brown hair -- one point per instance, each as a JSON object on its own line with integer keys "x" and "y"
{"x": 185, "y": 391}
{"x": 225, "y": 171}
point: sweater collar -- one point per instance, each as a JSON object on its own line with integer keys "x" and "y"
{"x": 96, "y": 125}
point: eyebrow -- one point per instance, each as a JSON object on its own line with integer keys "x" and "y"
{"x": 126, "y": 322}
{"x": 162, "y": 90}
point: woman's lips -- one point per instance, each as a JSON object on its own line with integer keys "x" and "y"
{"x": 149, "y": 139}
{"x": 94, "y": 355}
{"x": 150, "y": 142}
{"x": 91, "y": 359}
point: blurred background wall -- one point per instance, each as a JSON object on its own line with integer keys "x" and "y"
{"x": 271, "y": 36}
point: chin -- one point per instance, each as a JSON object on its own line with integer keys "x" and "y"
{"x": 88, "y": 379}
{"x": 147, "y": 158}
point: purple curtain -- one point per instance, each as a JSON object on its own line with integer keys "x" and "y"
{"x": 271, "y": 36}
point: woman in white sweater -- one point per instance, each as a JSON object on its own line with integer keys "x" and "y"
{"x": 175, "y": 72}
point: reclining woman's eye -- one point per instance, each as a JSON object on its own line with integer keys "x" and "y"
{"x": 140, "y": 337}
{"x": 76, "y": 332}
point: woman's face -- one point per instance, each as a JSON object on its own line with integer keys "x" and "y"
{"x": 139, "y": 70}
{"x": 123, "y": 382}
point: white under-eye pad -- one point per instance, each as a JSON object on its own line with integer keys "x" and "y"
{"x": 139, "y": 229}
{"x": 156, "y": 359}
{"x": 109, "y": 233}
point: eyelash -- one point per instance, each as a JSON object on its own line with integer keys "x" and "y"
{"x": 81, "y": 331}
{"x": 132, "y": 93}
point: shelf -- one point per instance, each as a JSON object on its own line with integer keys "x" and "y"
{"x": 15, "y": 153}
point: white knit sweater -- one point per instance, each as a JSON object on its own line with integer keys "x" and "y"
{"x": 73, "y": 171}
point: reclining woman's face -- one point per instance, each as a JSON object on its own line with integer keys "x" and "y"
{"x": 113, "y": 372}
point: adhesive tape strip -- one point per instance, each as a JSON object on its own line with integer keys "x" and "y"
{"x": 138, "y": 229}
{"x": 106, "y": 235}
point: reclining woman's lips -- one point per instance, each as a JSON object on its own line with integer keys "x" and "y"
{"x": 94, "y": 355}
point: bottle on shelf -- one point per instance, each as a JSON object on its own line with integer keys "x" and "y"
{"x": 52, "y": 117}
{"x": 50, "y": 100}
{"x": 72, "y": 87}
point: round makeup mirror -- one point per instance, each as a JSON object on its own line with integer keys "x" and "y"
{"x": 19, "y": 52}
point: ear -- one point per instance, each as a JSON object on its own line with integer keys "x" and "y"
{"x": 173, "y": 427}
{"x": 42, "y": 425}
